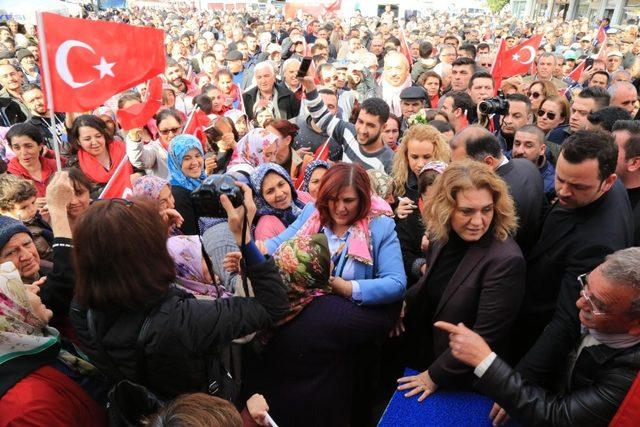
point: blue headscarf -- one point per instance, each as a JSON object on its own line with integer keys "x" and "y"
{"x": 178, "y": 148}
{"x": 312, "y": 166}
{"x": 287, "y": 216}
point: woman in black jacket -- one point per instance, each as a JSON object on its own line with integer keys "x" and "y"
{"x": 125, "y": 277}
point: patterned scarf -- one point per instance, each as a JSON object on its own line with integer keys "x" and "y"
{"x": 287, "y": 216}
{"x": 311, "y": 167}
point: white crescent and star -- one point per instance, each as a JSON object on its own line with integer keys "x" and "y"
{"x": 532, "y": 55}
{"x": 62, "y": 65}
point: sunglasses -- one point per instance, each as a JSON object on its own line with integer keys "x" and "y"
{"x": 550, "y": 114}
{"x": 174, "y": 131}
{"x": 584, "y": 292}
{"x": 534, "y": 95}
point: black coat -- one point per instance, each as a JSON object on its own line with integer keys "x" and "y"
{"x": 599, "y": 382}
{"x": 410, "y": 231}
{"x": 571, "y": 242}
{"x": 288, "y": 104}
{"x": 185, "y": 335}
{"x": 186, "y": 208}
{"x": 527, "y": 190}
{"x": 485, "y": 293}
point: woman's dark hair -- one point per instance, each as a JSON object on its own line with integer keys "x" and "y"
{"x": 91, "y": 121}
{"x": 79, "y": 179}
{"x": 215, "y": 131}
{"x": 397, "y": 119}
{"x": 426, "y": 180}
{"x": 338, "y": 177}
{"x": 587, "y": 145}
{"x": 204, "y": 103}
{"x": 284, "y": 127}
{"x": 196, "y": 410}
{"x": 113, "y": 271}
{"x": 166, "y": 113}
{"x": 25, "y": 129}
{"x": 223, "y": 72}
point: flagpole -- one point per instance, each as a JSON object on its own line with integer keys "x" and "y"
{"x": 47, "y": 81}
{"x": 188, "y": 122}
{"x": 115, "y": 174}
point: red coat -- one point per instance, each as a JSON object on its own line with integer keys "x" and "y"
{"x": 48, "y": 169}
{"x": 47, "y": 397}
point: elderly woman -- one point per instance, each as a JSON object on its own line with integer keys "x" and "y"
{"x": 41, "y": 382}
{"x": 421, "y": 144}
{"x": 159, "y": 189}
{"x": 475, "y": 275}
{"x": 182, "y": 336}
{"x": 257, "y": 147}
{"x": 95, "y": 152}
{"x": 362, "y": 239}
{"x": 276, "y": 199}
{"x": 313, "y": 174}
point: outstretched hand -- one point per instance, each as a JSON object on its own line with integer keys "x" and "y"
{"x": 466, "y": 345}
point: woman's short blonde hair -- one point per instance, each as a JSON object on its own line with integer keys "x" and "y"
{"x": 466, "y": 175}
{"x": 422, "y": 133}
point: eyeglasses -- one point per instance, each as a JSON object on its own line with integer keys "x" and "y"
{"x": 550, "y": 114}
{"x": 584, "y": 292}
{"x": 534, "y": 95}
{"x": 174, "y": 131}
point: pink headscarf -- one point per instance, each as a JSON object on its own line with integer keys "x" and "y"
{"x": 250, "y": 149}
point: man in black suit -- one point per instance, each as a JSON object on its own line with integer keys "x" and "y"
{"x": 627, "y": 136}
{"x": 600, "y": 375}
{"x": 523, "y": 179}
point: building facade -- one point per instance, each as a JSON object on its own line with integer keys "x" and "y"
{"x": 620, "y": 12}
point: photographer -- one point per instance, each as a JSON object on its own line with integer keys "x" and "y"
{"x": 515, "y": 112}
{"x": 131, "y": 298}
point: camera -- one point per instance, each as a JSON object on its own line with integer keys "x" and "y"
{"x": 206, "y": 197}
{"x": 498, "y": 105}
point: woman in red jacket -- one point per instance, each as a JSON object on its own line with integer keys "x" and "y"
{"x": 27, "y": 143}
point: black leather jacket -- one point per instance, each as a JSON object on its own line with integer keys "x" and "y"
{"x": 598, "y": 384}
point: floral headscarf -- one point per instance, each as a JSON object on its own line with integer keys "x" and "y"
{"x": 311, "y": 167}
{"x": 381, "y": 183}
{"x": 149, "y": 186}
{"x": 251, "y": 147}
{"x": 21, "y": 331}
{"x": 178, "y": 148}
{"x": 186, "y": 252}
{"x": 287, "y": 216}
{"x": 105, "y": 111}
{"x": 304, "y": 263}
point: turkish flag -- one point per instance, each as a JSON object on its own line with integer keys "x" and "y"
{"x": 138, "y": 115}
{"x": 196, "y": 124}
{"x": 335, "y": 5}
{"x": 577, "y": 72}
{"x": 518, "y": 59}
{"x": 84, "y": 62}
{"x": 601, "y": 36}
{"x": 119, "y": 186}
{"x": 404, "y": 48}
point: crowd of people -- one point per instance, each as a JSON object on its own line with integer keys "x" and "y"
{"x": 383, "y": 210}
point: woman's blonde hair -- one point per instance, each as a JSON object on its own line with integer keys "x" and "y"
{"x": 422, "y": 133}
{"x": 465, "y": 175}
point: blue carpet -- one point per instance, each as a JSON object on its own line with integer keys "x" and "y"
{"x": 443, "y": 408}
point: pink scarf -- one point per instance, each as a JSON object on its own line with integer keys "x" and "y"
{"x": 359, "y": 233}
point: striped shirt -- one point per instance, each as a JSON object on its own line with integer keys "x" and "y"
{"x": 344, "y": 133}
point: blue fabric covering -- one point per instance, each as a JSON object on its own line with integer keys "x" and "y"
{"x": 443, "y": 408}
{"x": 178, "y": 148}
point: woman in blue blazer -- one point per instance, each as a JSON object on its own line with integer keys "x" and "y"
{"x": 365, "y": 250}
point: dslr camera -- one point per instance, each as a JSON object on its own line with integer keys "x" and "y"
{"x": 498, "y": 105}
{"x": 206, "y": 197}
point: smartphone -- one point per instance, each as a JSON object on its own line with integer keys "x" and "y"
{"x": 304, "y": 67}
{"x": 588, "y": 63}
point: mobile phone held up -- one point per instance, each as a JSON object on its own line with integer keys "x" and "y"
{"x": 304, "y": 67}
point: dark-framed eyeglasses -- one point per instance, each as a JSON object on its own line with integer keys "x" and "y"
{"x": 550, "y": 114}
{"x": 534, "y": 95}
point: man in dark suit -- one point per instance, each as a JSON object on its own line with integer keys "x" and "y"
{"x": 523, "y": 179}
{"x": 605, "y": 366}
{"x": 267, "y": 90}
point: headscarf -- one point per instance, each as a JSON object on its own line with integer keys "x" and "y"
{"x": 21, "y": 330}
{"x": 359, "y": 247}
{"x": 308, "y": 171}
{"x": 287, "y": 216}
{"x": 381, "y": 183}
{"x": 186, "y": 252}
{"x": 178, "y": 148}
{"x": 235, "y": 114}
{"x": 304, "y": 262}
{"x": 105, "y": 111}
{"x": 94, "y": 170}
{"x": 149, "y": 186}
{"x": 436, "y": 165}
{"x": 251, "y": 147}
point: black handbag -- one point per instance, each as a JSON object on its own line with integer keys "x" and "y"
{"x": 128, "y": 403}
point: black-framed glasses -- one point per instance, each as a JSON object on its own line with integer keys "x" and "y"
{"x": 174, "y": 131}
{"x": 584, "y": 292}
{"x": 550, "y": 114}
{"x": 534, "y": 95}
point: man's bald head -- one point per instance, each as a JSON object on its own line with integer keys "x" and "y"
{"x": 470, "y": 134}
